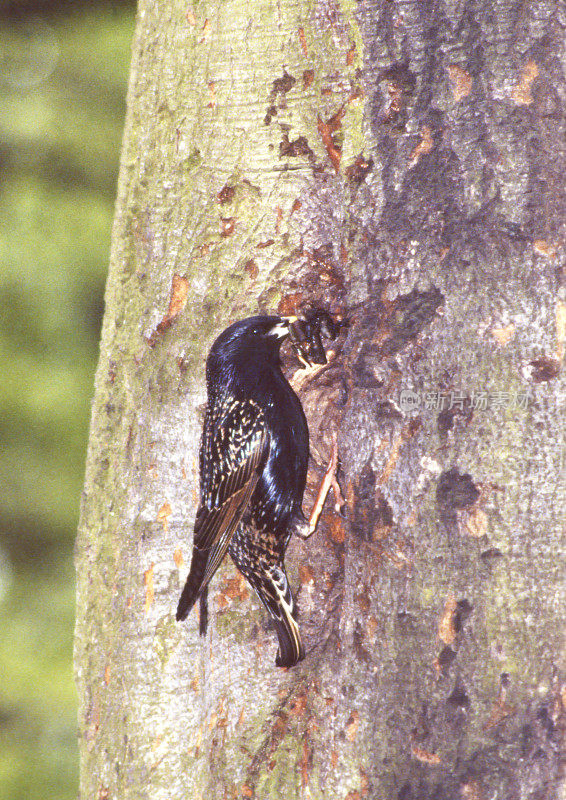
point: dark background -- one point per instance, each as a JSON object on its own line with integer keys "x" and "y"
{"x": 63, "y": 78}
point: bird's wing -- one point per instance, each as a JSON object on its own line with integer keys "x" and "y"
{"x": 234, "y": 450}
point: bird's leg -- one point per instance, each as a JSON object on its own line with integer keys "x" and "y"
{"x": 305, "y": 528}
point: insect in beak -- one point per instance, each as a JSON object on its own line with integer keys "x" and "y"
{"x": 306, "y": 335}
{"x": 303, "y": 345}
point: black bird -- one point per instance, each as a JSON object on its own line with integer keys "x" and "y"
{"x": 253, "y": 466}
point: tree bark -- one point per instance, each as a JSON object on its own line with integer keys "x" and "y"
{"x": 401, "y": 163}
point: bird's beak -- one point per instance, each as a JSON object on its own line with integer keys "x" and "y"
{"x": 282, "y": 329}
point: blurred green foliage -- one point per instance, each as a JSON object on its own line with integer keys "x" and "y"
{"x": 62, "y": 101}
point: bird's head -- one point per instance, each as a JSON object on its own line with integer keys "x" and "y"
{"x": 252, "y": 338}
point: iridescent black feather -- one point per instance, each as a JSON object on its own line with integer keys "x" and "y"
{"x": 253, "y": 466}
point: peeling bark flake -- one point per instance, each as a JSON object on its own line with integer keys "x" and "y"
{"x": 503, "y": 335}
{"x": 522, "y": 93}
{"x": 425, "y": 756}
{"x": 351, "y": 55}
{"x": 148, "y": 583}
{"x": 352, "y": 726}
{"x": 326, "y": 131}
{"x": 308, "y": 78}
{"x": 546, "y": 249}
{"x": 177, "y": 302}
{"x": 501, "y": 710}
{"x": 226, "y": 194}
{"x": 476, "y": 524}
{"x": 425, "y": 145}
{"x": 306, "y": 574}
{"x": 227, "y": 226}
{"x": 251, "y": 268}
{"x": 205, "y": 32}
{"x": 211, "y": 86}
{"x": 446, "y": 628}
{"x": 305, "y": 760}
{"x": 163, "y": 515}
{"x": 232, "y": 589}
{"x": 178, "y": 299}
{"x": 461, "y": 81}
{"x": 303, "y": 41}
{"x": 406, "y": 433}
{"x": 290, "y": 303}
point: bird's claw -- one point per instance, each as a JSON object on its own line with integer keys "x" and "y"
{"x": 329, "y": 482}
{"x": 301, "y": 527}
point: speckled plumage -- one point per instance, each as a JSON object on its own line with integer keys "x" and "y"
{"x": 253, "y": 466}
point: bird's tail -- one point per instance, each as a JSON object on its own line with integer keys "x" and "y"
{"x": 194, "y": 589}
{"x": 273, "y": 590}
{"x": 203, "y": 610}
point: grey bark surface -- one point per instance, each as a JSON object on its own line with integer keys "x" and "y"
{"x": 402, "y": 163}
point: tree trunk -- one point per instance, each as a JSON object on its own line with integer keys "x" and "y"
{"x": 402, "y": 164}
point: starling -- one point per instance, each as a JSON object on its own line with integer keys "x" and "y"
{"x": 253, "y": 466}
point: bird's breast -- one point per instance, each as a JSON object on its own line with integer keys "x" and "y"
{"x": 281, "y": 487}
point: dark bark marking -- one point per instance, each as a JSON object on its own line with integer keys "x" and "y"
{"x": 445, "y": 659}
{"x": 408, "y": 315}
{"x": 283, "y": 85}
{"x": 371, "y": 516}
{"x": 544, "y": 369}
{"x": 382, "y": 328}
{"x": 279, "y": 87}
{"x": 397, "y": 85}
{"x": 458, "y": 697}
{"x": 226, "y": 194}
{"x": 455, "y": 491}
{"x": 461, "y": 614}
{"x": 446, "y": 418}
{"x": 294, "y": 149}
{"x": 490, "y": 554}
{"x": 357, "y": 172}
{"x": 362, "y": 515}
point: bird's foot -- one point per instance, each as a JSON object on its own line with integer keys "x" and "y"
{"x": 301, "y": 527}
{"x": 305, "y": 528}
